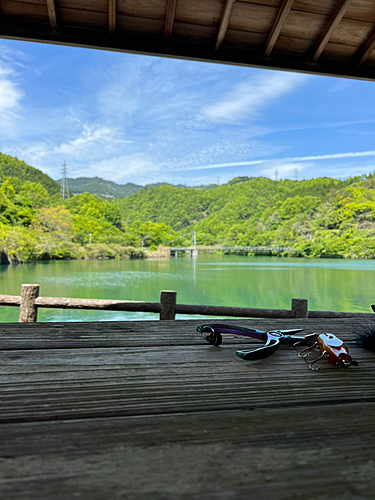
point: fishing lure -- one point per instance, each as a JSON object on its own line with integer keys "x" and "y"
{"x": 330, "y": 347}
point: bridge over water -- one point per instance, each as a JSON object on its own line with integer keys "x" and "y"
{"x": 194, "y": 248}
{"x": 228, "y": 248}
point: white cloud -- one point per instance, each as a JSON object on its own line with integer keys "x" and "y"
{"x": 225, "y": 165}
{"x": 91, "y": 137}
{"x": 335, "y": 156}
{"x": 10, "y": 98}
{"x": 137, "y": 168}
{"x": 248, "y": 98}
{"x": 290, "y": 161}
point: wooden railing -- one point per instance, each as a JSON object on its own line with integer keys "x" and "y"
{"x": 29, "y": 302}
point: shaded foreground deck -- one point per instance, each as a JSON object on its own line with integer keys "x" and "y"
{"x": 148, "y": 410}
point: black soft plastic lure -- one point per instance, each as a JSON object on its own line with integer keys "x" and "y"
{"x": 365, "y": 337}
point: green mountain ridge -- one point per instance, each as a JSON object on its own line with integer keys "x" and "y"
{"x": 109, "y": 189}
{"x": 321, "y": 217}
{"x": 103, "y": 188}
{"x": 13, "y": 167}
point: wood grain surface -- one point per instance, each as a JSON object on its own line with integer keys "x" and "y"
{"x": 149, "y": 410}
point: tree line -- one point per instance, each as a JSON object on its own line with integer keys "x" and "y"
{"x": 321, "y": 217}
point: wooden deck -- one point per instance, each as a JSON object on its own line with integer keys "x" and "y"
{"x": 148, "y": 410}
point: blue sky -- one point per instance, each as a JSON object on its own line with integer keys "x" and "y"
{"x": 130, "y": 118}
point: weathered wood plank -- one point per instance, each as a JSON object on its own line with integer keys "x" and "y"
{"x": 277, "y": 26}
{"x": 29, "y": 10}
{"x": 303, "y": 453}
{"x": 82, "y": 18}
{"x": 184, "y": 31}
{"x": 332, "y": 24}
{"x": 207, "y": 13}
{"x": 253, "y": 18}
{"x": 10, "y": 300}
{"x": 169, "y": 18}
{"x": 152, "y": 333}
{"x": 112, "y": 15}
{"x": 351, "y": 32}
{"x": 233, "y": 311}
{"x": 52, "y": 14}
{"x": 224, "y": 22}
{"x": 139, "y": 25}
{"x": 180, "y": 421}
{"x": 366, "y": 50}
{"x": 149, "y": 9}
{"x": 360, "y": 10}
{"x": 101, "y": 304}
{"x": 50, "y": 385}
{"x": 259, "y": 427}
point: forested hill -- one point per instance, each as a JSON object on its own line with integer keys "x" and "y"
{"x": 12, "y": 167}
{"x": 235, "y": 201}
{"x": 104, "y": 189}
{"x": 322, "y": 217}
{"x": 109, "y": 190}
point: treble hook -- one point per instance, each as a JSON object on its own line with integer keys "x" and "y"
{"x": 323, "y": 355}
{"x": 305, "y": 352}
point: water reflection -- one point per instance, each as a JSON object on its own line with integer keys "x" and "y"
{"x": 271, "y": 282}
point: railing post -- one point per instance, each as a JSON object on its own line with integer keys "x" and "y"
{"x": 299, "y": 306}
{"x": 168, "y": 304}
{"x": 28, "y": 309}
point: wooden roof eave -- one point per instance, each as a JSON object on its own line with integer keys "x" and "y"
{"x": 115, "y": 37}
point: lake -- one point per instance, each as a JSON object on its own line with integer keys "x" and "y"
{"x": 267, "y": 282}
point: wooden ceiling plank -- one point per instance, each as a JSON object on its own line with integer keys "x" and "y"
{"x": 52, "y": 14}
{"x": 277, "y": 26}
{"x": 332, "y": 24}
{"x": 227, "y": 12}
{"x": 169, "y": 18}
{"x": 366, "y": 50}
{"x": 112, "y": 9}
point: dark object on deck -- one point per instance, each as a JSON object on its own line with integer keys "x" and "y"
{"x": 365, "y": 337}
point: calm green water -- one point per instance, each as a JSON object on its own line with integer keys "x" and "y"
{"x": 271, "y": 282}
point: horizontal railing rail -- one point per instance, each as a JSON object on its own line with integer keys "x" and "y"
{"x": 29, "y": 302}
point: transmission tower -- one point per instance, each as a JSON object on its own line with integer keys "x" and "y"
{"x": 296, "y": 174}
{"x": 276, "y": 175}
{"x": 64, "y": 191}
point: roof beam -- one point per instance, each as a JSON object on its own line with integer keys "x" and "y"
{"x": 169, "y": 18}
{"x": 52, "y": 14}
{"x": 366, "y": 50}
{"x": 227, "y": 12}
{"x": 112, "y": 7}
{"x": 277, "y": 26}
{"x": 332, "y": 24}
